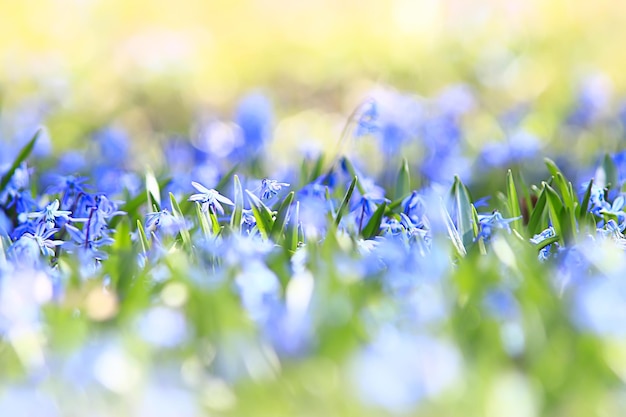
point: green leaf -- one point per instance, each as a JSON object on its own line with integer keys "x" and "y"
{"x": 352, "y": 172}
{"x": 457, "y": 242}
{"x": 178, "y": 215}
{"x": 153, "y": 190}
{"x": 281, "y": 217}
{"x": 547, "y": 242}
{"x": 143, "y": 239}
{"x": 372, "y": 228}
{"x": 536, "y": 221}
{"x": 513, "y": 200}
{"x": 609, "y": 172}
{"x": 556, "y": 209}
{"x": 291, "y": 236}
{"x": 205, "y": 226}
{"x": 21, "y": 157}
{"x": 403, "y": 182}
{"x": 235, "y": 218}
{"x": 262, "y": 214}
{"x": 463, "y": 207}
{"x": 583, "y": 209}
{"x": 345, "y": 202}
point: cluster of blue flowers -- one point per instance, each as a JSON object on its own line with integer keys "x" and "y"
{"x": 270, "y": 270}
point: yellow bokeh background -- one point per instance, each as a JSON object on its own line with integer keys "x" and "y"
{"x": 100, "y": 58}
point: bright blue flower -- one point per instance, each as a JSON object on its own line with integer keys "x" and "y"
{"x": 545, "y": 252}
{"x": 49, "y": 215}
{"x": 40, "y": 237}
{"x": 209, "y": 199}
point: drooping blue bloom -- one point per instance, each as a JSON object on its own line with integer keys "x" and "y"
{"x": 270, "y": 188}
{"x": 209, "y": 198}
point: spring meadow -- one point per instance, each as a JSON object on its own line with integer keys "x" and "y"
{"x": 313, "y": 208}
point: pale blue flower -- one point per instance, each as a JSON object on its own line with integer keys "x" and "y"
{"x": 209, "y": 198}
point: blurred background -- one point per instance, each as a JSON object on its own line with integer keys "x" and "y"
{"x": 152, "y": 65}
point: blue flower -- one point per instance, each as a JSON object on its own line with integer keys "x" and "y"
{"x": 544, "y": 253}
{"x": 49, "y": 215}
{"x": 41, "y": 237}
{"x": 488, "y": 222}
{"x": 163, "y": 220}
{"x": 209, "y": 199}
{"x": 270, "y": 188}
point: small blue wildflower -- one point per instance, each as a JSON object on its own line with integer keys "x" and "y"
{"x": 270, "y": 188}
{"x": 88, "y": 242}
{"x": 41, "y": 237}
{"x": 49, "y": 215}
{"x": 163, "y": 220}
{"x": 545, "y": 252}
{"x": 71, "y": 188}
{"x": 488, "y": 222}
{"x": 209, "y": 198}
{"x": 615, "y": 209}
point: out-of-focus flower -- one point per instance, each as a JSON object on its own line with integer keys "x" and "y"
{"x": 255, "y": 117}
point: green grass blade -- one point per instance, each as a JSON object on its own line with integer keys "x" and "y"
{"x": 352, "y": 171}
{"x": 281, "y": 217}
{"x": 556, "y": 209}
{"x": 21, "y": 157}
{"x": 235, "y": 218}
{"x": 345, "y": 202}
{"x": 463, "y": 207}
{"x": 153, "y": 196}
{"x": 143, "y": 239}
{"x": 537, "y": 219}
{"x": 372, "y": 228}
{"x": 403, "y": 181}
{"x": 262, "y": 214}
{"x": 610, "y": 172}
{"x": 513, "y": 200}
{"x": 178, "y": 215}
{"x": 583, "y": 209}
{"x": 457, "y": 242}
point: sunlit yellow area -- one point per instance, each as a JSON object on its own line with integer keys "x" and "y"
{"x": 99, "y": 56}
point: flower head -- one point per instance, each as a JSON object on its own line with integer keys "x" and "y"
{"x": 209, "y": 198}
